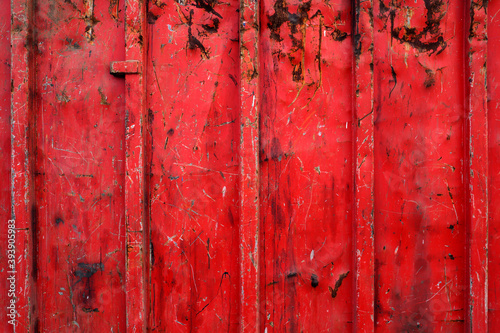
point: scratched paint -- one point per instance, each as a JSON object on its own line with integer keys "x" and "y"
{"x": 5, "y": 149}
{"x": 77, "y": 158}
{"x": 306, "y": 165}
{"x": 279, "y": 165}
{"x": 417, "y": 215}
{"x": 192, "y": 101}
{"x": 494, "y": 165}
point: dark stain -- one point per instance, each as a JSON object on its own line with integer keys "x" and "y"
{"x": 59, "y": 221}
{"x": 151, "y": 18}
{"x": 34, "y": 228}
{"x": 104, "y": 99}
{"x": 114, "y": 9}
{"x": 171, "y": 132}
{"x": 282, "y": 15}
{"x": 394, "y": 79}
{"x": 87, "y": 270}
{"x": 193, "y": 42}
{"x": 84, "y": 272}
{"x": 233, "y": 79}
{"x": 475, "y": 6}
{"x": 211, "y": 29}
{"x": 339, "y": 35}
{"x": 279, "y": 215}
{"x": 208, "y": 6}
{"x": 37, "y": 325}
{"x": 230, "y": 217}
{"x": 208, "y": 252}
{"x": 276, "y": 152}
{"x": 449, "y": 193}
{"x": 90, "y": 20}
{"x": 90, "y": 310}
{"x": 314, "y": 280}
{"x": 292, "y": 275}
{"x": 430, "y": 79}
{"x": 152, "y": 252}
{"x": 430, "y": 38}
{"x": 451, "y": 256}
{"x": 334, "y": 291}
{"x": 72, "y": 44}
{"x": 357, "y": 35}
{"x": 297, "y": 73}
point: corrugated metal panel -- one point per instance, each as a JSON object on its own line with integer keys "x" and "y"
{"x": 250, "y": 166}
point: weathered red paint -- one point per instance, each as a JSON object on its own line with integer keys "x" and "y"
{"x": 126, "y": 67}
{"x": 270, "y": 166}
{"x": 5, "y": 145}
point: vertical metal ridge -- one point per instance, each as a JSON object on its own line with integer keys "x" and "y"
{"x": 363, "y": 165}
{"x": 476, "y": 165}
{"x": 135, "y": 156}
{"x": 23, "y": 131}
{"x": 249, "y": 227}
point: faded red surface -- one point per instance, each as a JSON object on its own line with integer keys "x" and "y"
{"x": 269, "y": 166}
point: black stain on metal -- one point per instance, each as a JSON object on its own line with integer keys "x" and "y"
{"x": 208, "y": 6}
{"x": 193, "y": 42}
{"x": 87, "y": 270}
{"x": 282, "y": 15}
{"x": 394, "y": 79}
{"x": 431, "y": 78}
{"x": 152, "y": 252}
{"x": 430, "y": 38}
{"x": 59, "y": 221}
{"x": 314, "y": 280}
{"x": 334, "y": 291}
{"x": 233, "y": 79}
{"x": 90, "y": 310}
{"x": 34, "y": 228}
{"x": 84, "y": 273}
{"x": 36, "y": 327}
{"x": 213, "y": 28}
{"x": 151, "y": 18}
{"x": 339, "y": 35}
{"x": 208, "y": 252}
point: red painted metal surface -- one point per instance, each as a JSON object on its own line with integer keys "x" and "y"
{"x": 269, "y": 166}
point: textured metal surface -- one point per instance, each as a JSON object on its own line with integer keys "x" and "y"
{"x": 270, "y": 166}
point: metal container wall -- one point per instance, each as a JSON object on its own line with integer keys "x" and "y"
{"x": 270, "y": 166}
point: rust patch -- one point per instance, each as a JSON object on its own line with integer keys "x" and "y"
{"x": 114, "y": 9}
{"x": 104, "y": 98}
{"x": 90, "y": 20}
{"x": 474, "y": 25}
